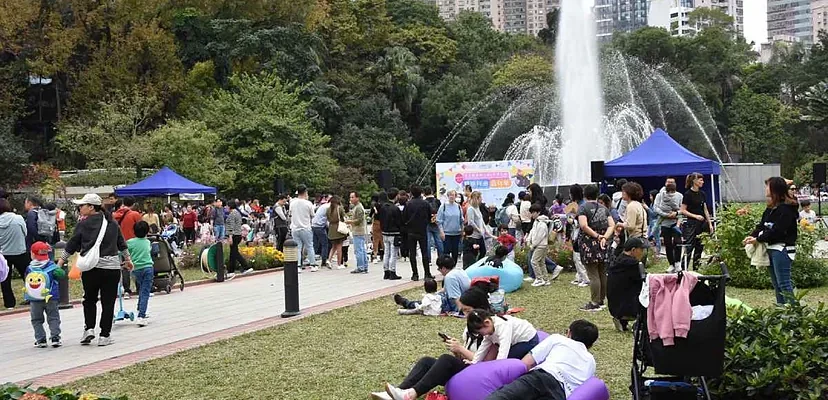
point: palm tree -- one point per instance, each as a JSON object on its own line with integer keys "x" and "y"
{"x": 817, "y": 109}
{"x": 399, "y": 74}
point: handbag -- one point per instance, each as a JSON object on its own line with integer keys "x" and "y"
{"x": 342, "y": 228}
{"x": 4, "y": 268}
{"x": 89, "y": 260}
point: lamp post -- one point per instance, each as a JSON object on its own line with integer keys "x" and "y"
{"x": 63, "y": 284}
{"x": 291, "y": 273}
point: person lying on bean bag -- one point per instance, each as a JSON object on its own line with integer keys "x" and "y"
{"x": 559, "y": 365}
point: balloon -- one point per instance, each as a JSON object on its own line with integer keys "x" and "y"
{"x": 511, "y": 275}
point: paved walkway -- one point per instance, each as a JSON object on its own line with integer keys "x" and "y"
{"x": 194, "y": 317}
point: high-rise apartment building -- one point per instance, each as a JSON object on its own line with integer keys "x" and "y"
{"x": 619, "y": 16}
{"x": 605, "y": 23}
{"x": 674, "y": 15}
{"x": 790, "y": 18}
{"x": 819, "y": 17}
{"x": 733, "y": 8}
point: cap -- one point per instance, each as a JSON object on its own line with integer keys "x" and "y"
{"x": 89, "y": 198}
{"x": 636, "y": 243}
{"x": 40, "y": 251}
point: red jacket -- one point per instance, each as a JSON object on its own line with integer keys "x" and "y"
{"x": 189, "y": 220}
{"x": 126, "y": 219}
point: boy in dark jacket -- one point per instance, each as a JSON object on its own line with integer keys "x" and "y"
{"x": 624, "y": 283}
{"x": 471, "y": 248}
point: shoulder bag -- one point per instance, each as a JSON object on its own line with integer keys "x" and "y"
{"x": 90, "y": 260}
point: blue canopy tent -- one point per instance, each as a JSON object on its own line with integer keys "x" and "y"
{"x": 660, "y": 156}
{"x": 165, "y": 182}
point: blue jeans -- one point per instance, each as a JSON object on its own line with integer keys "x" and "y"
{"x": 36, "y": 311}
{"x": 433, "y": 234}
{"x": 780, "y": 273}
{"x": 304, "y": 240}
{"x": 389, "y": 258}
{"x": 218, "y": 230}
{"x": 550, "y": 265}
{"x": 320, "y": 242}
{"x": 449, "y": 305}
{"x": 143, "y": 279}
{"x": 359, "y": 251}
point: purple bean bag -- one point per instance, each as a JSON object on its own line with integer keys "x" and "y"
{"x": 482, "y": 379}
{"x": 592, "y": 389}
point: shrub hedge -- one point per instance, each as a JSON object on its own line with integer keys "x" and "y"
{"x": 736, "y": 222}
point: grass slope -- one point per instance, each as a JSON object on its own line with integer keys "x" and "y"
{"x": 345, "y": 353}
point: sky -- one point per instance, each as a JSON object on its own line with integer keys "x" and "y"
{"x": 756, "y": 26}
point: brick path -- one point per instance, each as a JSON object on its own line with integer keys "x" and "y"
{"x": 183, "y": 320}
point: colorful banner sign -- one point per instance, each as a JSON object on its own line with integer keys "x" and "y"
{"x": 494, "y": 179}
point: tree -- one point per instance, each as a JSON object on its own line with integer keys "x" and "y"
{"x": 758, "y": 122}
{"x": 12, "y": 155}
{"x": 550, "y": 34}
{"x": 434, "y": 50}
{"x": 651, "y": 45}
{"x": 106, "y": 139}
{"x": 371, "y": 150}
{"x": 524, "y": 70}
{"x": 707, "y": 17}
{"x": 414, "y": 12}
{"x": 189, "y": 148}
{"x": 265, "y": 133}
{"x": 398, "y": 74}
{"x": 817, "y": 110}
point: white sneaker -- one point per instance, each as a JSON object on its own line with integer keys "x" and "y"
{"x": 671, "y": 269}
{"x": 229, "y": 276}
{"x": 314, "y": 268}
{"x": 341, "y": 267}
{"x": 105, "y": 341}
{"x": 399, "y": 394}
{"x": 583, "y": 284}
{"x": 142, "y": 321}
{"x": 328, "y": 265}
{"x": 556, "y": 273}
{"x": 575, "y": 282}
{"x": 538, "y": 282}
{"x": 528, "y": 279}
{"x": 87, "y": 337}
{"x": 247, "y": 271}
{"x": 380, "y": 396}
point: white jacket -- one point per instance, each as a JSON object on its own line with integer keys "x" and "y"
{"x": 539, "y": 235}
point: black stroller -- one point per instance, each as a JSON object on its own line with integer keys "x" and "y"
{"x": 683, "y": 368}
{"x": 165, "y": 273}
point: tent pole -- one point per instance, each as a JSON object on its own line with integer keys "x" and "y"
{"x": 713, "y": 184}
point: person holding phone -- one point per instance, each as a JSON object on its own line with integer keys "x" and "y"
{"x": 430, "y": 372}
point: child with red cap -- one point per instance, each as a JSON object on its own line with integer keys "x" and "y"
{"x": 41, "y": 290}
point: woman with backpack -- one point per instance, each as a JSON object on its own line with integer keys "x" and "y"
{"x": 103, "y": 279}
{"x": 13, "y": 248}
{"x": 596, "y": 229}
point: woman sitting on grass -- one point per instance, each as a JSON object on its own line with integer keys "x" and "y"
{"x": 430, "y": 372}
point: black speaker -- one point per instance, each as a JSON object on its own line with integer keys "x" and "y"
{"x": 819, "y": 173}
{"x": 278, "y": 186}
{"x": 597, "y": 171}
{"x": 384, "y": 179}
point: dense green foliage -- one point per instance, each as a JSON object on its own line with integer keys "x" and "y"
{"x": 775, "y": 353}
{"x": 348, "y": 86}
{"x": 737, "y": 222}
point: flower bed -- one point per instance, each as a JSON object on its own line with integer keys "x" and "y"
{"x": 259, "y": 257}
{"x": 11, "y": 391}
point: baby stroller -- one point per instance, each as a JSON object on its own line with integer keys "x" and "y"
{"x": 700, "y": 355}
{"x": 174, "y": 236}
{"x": 165, "y": 273}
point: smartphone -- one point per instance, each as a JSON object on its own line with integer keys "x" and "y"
{"x": 443, "y": 336}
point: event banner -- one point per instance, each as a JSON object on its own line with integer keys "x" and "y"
{"x": 495, "y": 179}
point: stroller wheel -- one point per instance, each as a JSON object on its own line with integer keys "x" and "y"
{"x": 168, "y": 289}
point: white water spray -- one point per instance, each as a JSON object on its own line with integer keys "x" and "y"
{"x": 582, "y": 103}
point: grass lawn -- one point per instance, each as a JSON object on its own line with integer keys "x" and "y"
{"x": 76, "y": 287}
{"x": 346, "y": 353}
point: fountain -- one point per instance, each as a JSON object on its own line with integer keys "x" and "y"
{"x": 602, "y": 105}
